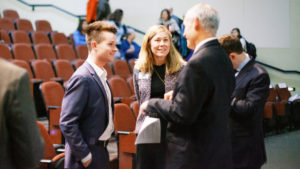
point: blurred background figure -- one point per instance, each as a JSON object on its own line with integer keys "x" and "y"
{"x": 166, "y": 20}
{"x": 103, "y": 10}
{"x": 130, "y": 49}
{"x": 78, "y": 35}
{"x": 97, "y": 10}
{"x": 21, "y": 145}
{"x": 237, "y": 33}
{"x": 115, "y": 18}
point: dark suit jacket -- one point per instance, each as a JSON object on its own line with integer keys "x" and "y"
{"x": 84, "y": 117}
{"x": 21, "y": 146}
{"x": 198, "y": 136}
{"x": 249, "y": 97}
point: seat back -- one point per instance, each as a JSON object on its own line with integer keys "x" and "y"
{"x": 135, "y": 107}
{"x": 65, "y": 51}
{"x": 63, "y": 69}
{"x": 11, "y": 14}
{"x": 53, "y": 93}
{"x": 5, "y": 53}
{"x": 23, "y": 52}
{"x": 4, "y": 36}
{"x": 59, "y": 38}
{"x": 130, "y": 84}
{"x": 43, "y": 70}
{"x": 40, "y": 37}
{"x": 131, "y": 64}
{"x": 49, "y": 152}
{"x": 283, "y": 93}
{"x": 78, "y": 63}
{"x": 123, "y": 118}
{"x": 24, "y": 24}
{"x": 6, "y": 24}
{"x": 45, "y": 51}
{"x": 119, "y": 87}
{"x": 82, "y": 51}
{"x": 20, "y": 36}
{"x": 121, "y": 68}
{"x": 43, "y": 25}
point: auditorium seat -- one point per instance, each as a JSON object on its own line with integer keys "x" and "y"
{"x": 10, "y": 14}
{"x": 130, "y": 84}
{"x": 58, "y": 38}
{"x": 50, "y": 160}
{"x": 121, "y": 68}
{"x": 269, "y": 121}
{"x": 43, "y": 70}
{"x": 131, "y": 64}
{"x": 108, "y": 69}
{"x": 45, "y": 52}
{"x": 23, "y": 52}
{"x": 82, "y": 51}
{"x": 124, "y": 123}
{"x": 43, "y": 25}
{"x": 283, "y": 107}
{"x": 4, "y": 37}
{"x": 77, "y": 63}
{"x": 24, "y": 24}
{"x": 20, "y": 36}
{"x": 52, "y": 94}
{"x": 120, "y": 90}
{"x": 5, "y": 52}
{"x": 63, "y": 69}
{"x": 135, "y": 107}
{"x": 65, "y": 51}
{"x": 39, "y": 37}
{"x": 6, "y": 24}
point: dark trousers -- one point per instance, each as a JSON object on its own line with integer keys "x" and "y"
{"x": 150, "y": 156}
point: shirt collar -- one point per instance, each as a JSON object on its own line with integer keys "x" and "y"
{"x": 203, "y": 42}
{"x": 101, "y": 72}
{"x": 243, "y": 63}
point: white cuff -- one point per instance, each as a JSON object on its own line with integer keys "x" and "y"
{"x": 86, "y": 158}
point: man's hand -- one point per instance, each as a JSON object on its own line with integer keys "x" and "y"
{"x": 169, "y": 95}
{"x": 143, "y": 107}
{"x": 87, "y": 163}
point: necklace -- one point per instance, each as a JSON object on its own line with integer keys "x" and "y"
{"x": 159, "y": 76}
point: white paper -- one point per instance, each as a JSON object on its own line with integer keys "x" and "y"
{"x": 149, "y": 132}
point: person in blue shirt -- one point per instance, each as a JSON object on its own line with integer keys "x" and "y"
{"x": 78, "y": 35}
{"x": 129, "y": 49}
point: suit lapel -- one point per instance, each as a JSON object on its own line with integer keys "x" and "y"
{"x": 97, "y": 79}
{"x": 244, "y": 72}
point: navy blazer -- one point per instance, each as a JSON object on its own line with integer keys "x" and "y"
{"x": 198, "y": 134}
{"x": 249, "y": 97}
{"x": 84, "y": 115}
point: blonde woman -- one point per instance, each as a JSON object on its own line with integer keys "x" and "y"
{"x": 155, "y": 74}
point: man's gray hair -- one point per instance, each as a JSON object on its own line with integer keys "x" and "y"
{"x": 207, "y": 16}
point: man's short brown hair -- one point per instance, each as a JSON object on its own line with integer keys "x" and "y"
{"x": 231, "y": 44}
{"x": 94, "y": 30}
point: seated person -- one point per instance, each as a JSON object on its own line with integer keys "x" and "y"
{"x": 78, "y": 35}
{"x": 130, "y": 49}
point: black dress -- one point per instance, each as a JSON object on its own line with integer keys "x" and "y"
{"x": 152, "y": 156}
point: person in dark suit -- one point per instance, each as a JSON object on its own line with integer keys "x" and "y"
{"x": 198, "y": 135}
{"x": 248, "y": 100}
{"x": 21, "y": 145}
{"x": 86, "y": 118}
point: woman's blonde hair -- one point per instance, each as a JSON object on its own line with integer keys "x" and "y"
{"x": 145, "y": 61}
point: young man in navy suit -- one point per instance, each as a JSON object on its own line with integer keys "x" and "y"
{"x": 247, "y": 106}
{"x": 86, "y": 118}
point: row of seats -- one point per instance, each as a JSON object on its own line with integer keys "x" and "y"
{"x": 37, "y": 37}
{"x": 47, "y": 52}
{"x": 279, "y": 112}
{"x": 12, "y": 21}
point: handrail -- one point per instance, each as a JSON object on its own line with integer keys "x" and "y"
{"x": 33, "y": 6}
{"x": 278, "y": 69}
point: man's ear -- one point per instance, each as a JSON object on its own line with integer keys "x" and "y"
{"x": 93, "y": 44}
{"x": 232, "y": 56}
{"x": 196, "y": 23}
